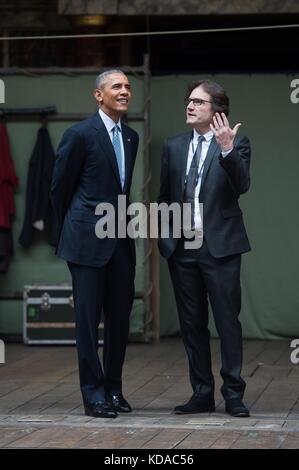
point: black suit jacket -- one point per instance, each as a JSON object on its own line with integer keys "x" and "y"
{"x": 223, "y": 180}
{"x": 86, "y": 174}
{"x": 38, "y": 205}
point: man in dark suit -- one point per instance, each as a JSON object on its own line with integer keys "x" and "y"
{"x": 210, "y": 165}
{"x": 94, "y": 165}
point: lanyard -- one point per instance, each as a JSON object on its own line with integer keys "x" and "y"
{"x": 200, "y": 166}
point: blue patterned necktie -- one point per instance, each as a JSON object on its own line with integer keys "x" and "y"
{"x": 118, "y": 153}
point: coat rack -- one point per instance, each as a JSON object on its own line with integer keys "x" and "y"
{"x": 50, "y": 114}
{"x": 24, "y": 114}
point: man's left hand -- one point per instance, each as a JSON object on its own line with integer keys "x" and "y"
{"x": 224, "y": 135}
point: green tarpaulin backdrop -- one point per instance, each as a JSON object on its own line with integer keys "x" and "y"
{"x": 271, "y": 121}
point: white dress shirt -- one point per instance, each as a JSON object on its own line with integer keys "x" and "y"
{"x": 110, "y": 124}
{"x": 204, "y": 151}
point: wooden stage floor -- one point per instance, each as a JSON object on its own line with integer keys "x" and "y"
{"x": 40, "y": 401}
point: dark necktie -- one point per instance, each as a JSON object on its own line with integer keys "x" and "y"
{"x": 192, "y": 178}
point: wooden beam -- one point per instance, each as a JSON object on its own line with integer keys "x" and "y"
{"x": 176, "y": 7}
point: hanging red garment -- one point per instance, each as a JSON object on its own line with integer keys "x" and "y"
{"x": 8, "y": 181}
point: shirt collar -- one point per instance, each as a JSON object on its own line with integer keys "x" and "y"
{"x": 108, "y": 122}
{"x": 208, "y": 135}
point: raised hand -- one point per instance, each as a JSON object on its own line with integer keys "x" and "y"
{"x": 224, "y": 135}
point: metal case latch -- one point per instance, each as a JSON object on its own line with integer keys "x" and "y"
{"x": 45, "y": 301}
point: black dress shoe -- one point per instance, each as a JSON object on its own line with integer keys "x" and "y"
{"x": 235, "y": 407}
{"x": 117, "y": 400}
{"x": 196, "y": 405}
{"x": 100, "y": 409}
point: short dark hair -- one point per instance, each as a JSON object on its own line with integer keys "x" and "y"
{"x": 101, "y": 79}
{"x": 219, "y": 98}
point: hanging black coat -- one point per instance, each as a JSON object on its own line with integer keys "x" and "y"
{"x": 38, "y": 205}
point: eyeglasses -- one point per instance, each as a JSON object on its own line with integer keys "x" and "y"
{"x": 196, "y": 101}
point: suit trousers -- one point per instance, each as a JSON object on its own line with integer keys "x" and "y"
{"x": 196, "y": 277}
{"x": 107, "y": 290}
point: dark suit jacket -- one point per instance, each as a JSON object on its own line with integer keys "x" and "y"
{"x": 38, "y": 205}
{"x": 223, "y": 180}
{"x": 86, "y": 174}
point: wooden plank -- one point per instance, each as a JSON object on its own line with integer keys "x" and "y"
{"x": 271, "y": 353}
{"x": 68, "y": 438}
{"x": 137, "y": 438}
{"x": 226, "y": 440}
{"x": 200, "y": 439}
{"x": 19, "y": 397}
{"x": 9, "y": 434}
{"x": 36, "y": 438}
{"x": 259, "y": 440}
{"x": 69, "y": 404}
{"x": 44, "y": 401}
{"x": 105, "y": 438}
{"x": 291, "y": 441}
{"x": 166, "y": 439}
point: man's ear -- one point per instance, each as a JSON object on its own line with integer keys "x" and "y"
{"x": 98, "y": 95}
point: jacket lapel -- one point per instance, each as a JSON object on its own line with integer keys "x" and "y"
{"x": 213, "y": 150}
{"x": 183, "y": 158}
{"x": 128, "y": 154}
{"x": 106, "y": 145}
